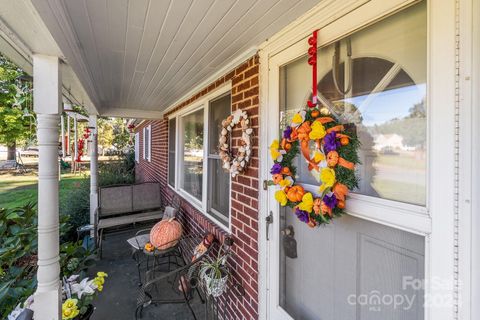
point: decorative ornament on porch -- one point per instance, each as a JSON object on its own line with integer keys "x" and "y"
{"x": 333, "y": 158}
{"x": 235, "y": 165}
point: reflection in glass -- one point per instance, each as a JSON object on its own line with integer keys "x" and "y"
{"x": 193, "y": 153}
{"x": 218, "y": 179}
{"x": 386, "y": 103}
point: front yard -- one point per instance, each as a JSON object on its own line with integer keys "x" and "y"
{"x": 18, "y": 189}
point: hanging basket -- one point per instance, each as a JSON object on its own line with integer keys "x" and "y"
{"x": 215, "y": 286}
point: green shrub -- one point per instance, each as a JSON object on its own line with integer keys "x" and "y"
{"x": 77, "y": 205}
{"x": 18, "y": 255}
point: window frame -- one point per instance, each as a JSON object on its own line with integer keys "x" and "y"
{"x": 147, "y": 136}
{"x": 202, "y": 206}
{"x": 137, "y": 147}
{"x": 175, "y": 144}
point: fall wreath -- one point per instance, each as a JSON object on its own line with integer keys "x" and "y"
{"x": 333, "y": 157}
{"x": 235, "y": 164}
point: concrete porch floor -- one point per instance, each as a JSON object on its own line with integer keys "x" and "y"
{"x": 119, "y": 297}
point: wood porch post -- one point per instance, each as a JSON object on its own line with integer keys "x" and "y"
{"x": 93, "y": 169}
{"x": 47, "y": 104}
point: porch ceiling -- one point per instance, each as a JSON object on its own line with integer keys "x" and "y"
{"x": 141, "y": 56}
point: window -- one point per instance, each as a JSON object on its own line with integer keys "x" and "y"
{"x": 147, "y": 145}
{"x": 137, "y": 147}
{"x": 218, "y": 178}
{"x": 386, "y": 102}
{"x": 172, "y": 127}
{"x": 198, "y": 168}
{"x": 192, "y": 161}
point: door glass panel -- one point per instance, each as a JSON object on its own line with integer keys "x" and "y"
{"x": 353, "y": 268}
{"x": 386, "y": 103}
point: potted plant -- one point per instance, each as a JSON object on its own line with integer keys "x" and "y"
{"x": 79, "y": 296}
{"x": 214, "y": 273}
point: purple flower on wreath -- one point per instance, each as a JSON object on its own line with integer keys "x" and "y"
{"x": 302, "y": 215}
{"x": 277, "y": 168}
{"x": 330, "y": 142}
{"x": 330, "y": 200}
{"x": 287, "y": 132}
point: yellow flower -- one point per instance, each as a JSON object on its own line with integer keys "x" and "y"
{"x": 274, "y": 150}
{"x": 100, "y": 288}
{"x": 98, "y": 281}
{"x": 286, "y": 182}
{"x": 70, "y": 309}
{"x": 307, "y": 202}
{"x": 327, "y": 176}
{"x": 318, "y": 131}
{"x": 298, "y": 118}
{"x": 281, "y": 197}
{"x": 318, "y": 156}
{"x": 70, "y": 303}
{"x": 102, "y": 274}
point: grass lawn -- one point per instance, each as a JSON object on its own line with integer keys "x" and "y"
{"x": 17, "y": 190}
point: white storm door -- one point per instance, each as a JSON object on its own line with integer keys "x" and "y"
{"x": 367, "y": 264}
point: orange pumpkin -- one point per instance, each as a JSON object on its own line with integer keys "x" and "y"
{"x": 315, "y": 113}
{"x": 344, "y": 141}
{"x": 332, "y": 158}
{"x": 165, "y": 234}
{"x": 295, "y": 193}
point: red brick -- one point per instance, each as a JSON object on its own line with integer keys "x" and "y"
{"x": 244, "y": 261}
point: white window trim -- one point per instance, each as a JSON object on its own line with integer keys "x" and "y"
{"x": 439, "y": 242}
{"x": 202, "y": 206}
{"x": 149, "y": 129}
{"x": 175, "y": 154}
{"x": 137, "y": 147}
{"x": 143, "y": 144}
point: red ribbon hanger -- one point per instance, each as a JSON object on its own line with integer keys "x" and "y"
{"x": 312, "y": 60}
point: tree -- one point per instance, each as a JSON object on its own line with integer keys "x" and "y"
{"x": 121, "y": 138}
{"x": 105, "y": 134}
{"x": 15, "y": 98}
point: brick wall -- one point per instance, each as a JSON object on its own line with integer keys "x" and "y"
{"x": 244, "y": 192}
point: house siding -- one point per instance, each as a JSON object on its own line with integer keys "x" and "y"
{"x": 244, "y": 189}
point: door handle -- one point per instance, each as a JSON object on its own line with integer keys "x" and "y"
{"x": 269, "y": 221}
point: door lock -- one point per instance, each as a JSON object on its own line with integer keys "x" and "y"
{"x": 269, "y": 221}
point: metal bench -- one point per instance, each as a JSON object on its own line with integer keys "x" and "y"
{"x": 122, "y": 205}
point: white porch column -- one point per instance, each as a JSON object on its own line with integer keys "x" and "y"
{"x": 47, "y": 104}
{"x": 62, "y": 125}
{"x": 75, "y": 137}
{"x": 68, "y": 135}
{"x": 92, "y": 123}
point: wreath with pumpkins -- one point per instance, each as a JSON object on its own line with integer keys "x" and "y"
{"x": 333, "y": 159}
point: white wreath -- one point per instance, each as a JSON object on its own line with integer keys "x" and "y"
{"x": 238, "y": 164}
